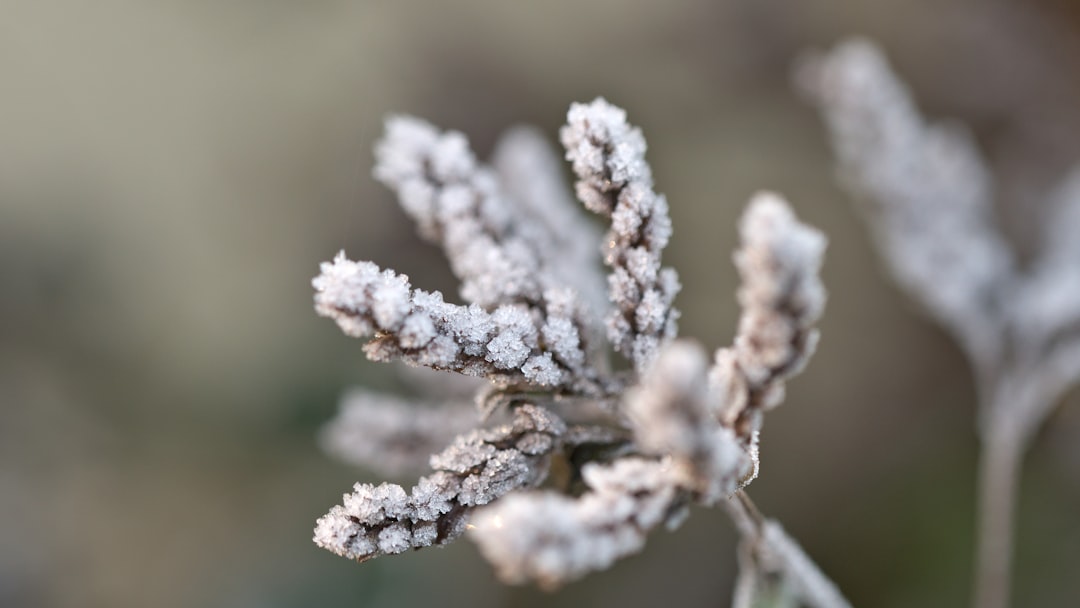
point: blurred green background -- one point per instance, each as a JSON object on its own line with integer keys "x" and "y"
{"x": 172, "y": 173}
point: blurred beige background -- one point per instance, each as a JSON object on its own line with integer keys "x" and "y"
{"x": 172, "y": 173}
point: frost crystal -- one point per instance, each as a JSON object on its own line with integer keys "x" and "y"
{"x": 456, "y": 203}
{"x": 503, "y": 249}
{"x": 645, "y": 442}
{"x": 608, "y": 158}
{"x": 418, "y": 327}
{"x": 477, "y": 468}
{"x": 782, "y": 298}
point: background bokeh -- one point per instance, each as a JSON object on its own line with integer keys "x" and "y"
{"x": 172, "y": 173}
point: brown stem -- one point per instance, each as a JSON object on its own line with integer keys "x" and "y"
{"x": 999, "y": 480}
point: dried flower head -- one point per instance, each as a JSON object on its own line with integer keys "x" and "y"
{"x": 641, "y": 443}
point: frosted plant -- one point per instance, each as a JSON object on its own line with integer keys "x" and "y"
{"x": 641, "y": 443}
{"x": 929, "y": 200}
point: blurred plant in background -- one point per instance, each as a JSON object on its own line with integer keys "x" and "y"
{"x": 929, "y": 198}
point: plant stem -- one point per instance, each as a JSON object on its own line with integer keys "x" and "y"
{"x": 769, "y": 550}
{"x": 999, "y": 480}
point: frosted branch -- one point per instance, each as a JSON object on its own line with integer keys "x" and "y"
{"x": 932, "y": 212}
{"x": 928, "y": 193}
{"x": 477, "y": 468}
{"x": 418, "y": 327}
{"x": 781, "y": 293}
{"x": 457, "y": 204}
{"x": 392, "y": 436}
{"x": 687, "y": 433}
{"x": 614, "y": 180}
{"x": 552, "y": 539}
{"x": 781, "y": 296}
{"x": 492, "y": 244}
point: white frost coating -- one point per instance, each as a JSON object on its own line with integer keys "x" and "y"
{"x": 708, "y": 421}
{"x": 781, "y": 293}
{"x": 477, "y": 468}
{"x": 541, "y": 370}
{"x": 419, "y": 328}
{"x": 685, "y": 433}
{"x": 779, "y": 261}
{"x": 562, "y": 329}
{"x": 674, "y": 412}
{"x": 390, "y": 435}
{"x": 456, "y": 202}
{"x": 930, "y": 195}
{"x": 614, "y": 180}
{"x": 551, "y": 539}
{"x": 503, "y": 250}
